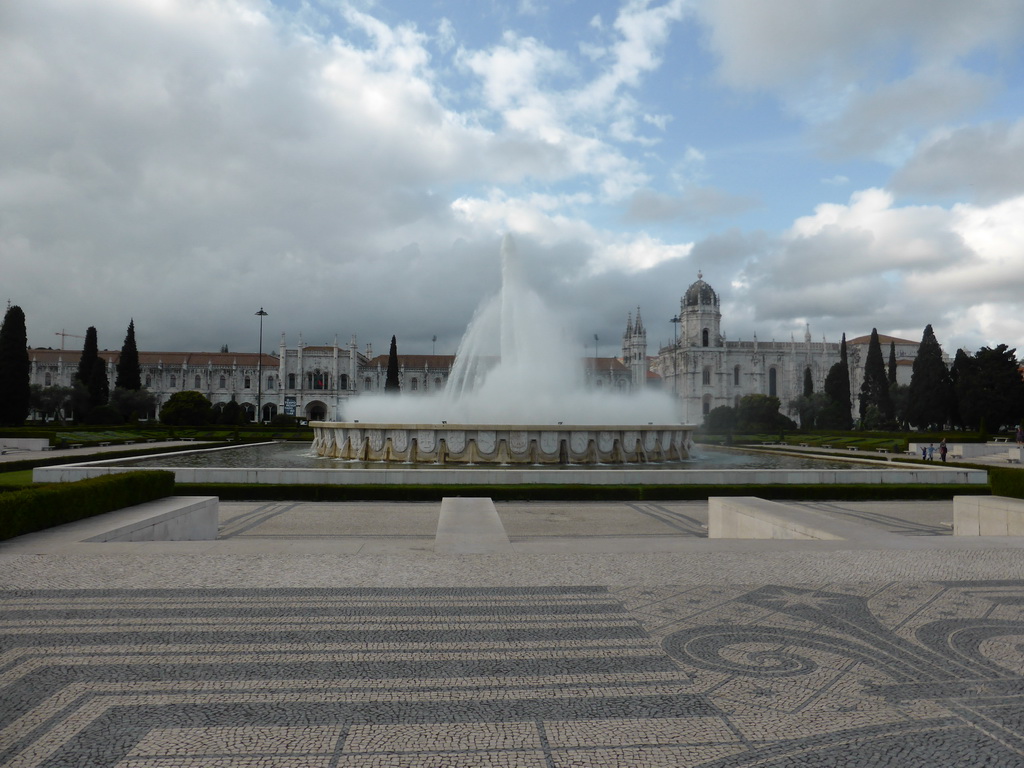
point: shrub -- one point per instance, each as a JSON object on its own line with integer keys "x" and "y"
{"x": 35, "y": 509}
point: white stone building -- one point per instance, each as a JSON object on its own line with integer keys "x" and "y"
{"x": 705, "y": 370}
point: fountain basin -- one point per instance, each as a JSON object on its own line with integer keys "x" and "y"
{"x": 501, "y": 443}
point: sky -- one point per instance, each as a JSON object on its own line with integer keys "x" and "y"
{"x": 351, "y": 167}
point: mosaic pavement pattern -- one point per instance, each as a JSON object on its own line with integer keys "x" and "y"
{"x": 921, "y": 674}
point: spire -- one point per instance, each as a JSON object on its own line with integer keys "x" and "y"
{"x": 639, "y": 327}
{"x": 629, "y": 324}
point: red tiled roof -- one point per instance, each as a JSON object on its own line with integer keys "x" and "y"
{"x": 192, "y": 359}
{"x": 882, "y": 338}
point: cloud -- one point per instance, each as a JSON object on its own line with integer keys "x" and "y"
{"x": 696, "y": 204}
{"x": 983, "y": 161}
{"x": 868, "y": 76}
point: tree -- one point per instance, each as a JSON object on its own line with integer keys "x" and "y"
{"x": 720, "y": 420}
{"x": 836, "y": 413}
{"x": 930, "y": 397}
{"x": 391, "y": 382}
{"x": 187, "y": 409}
{"x": 99, "y": 385}
{"x": 129, "y": 374}
{"x": 990, "y": 391}
{"x": 14, "y": 369}
{"x": 806, "y": 401}
{"x": 875, "y": 405}
{"x": 231, "y": 414}
{"x": 892, "y": 364}
{"x": 50, "y": 401}
{"x": 90, "y": 354}
{"x": 760, "y": 413}
{"x": 133, "y": 404}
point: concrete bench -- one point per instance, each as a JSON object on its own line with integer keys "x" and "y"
{"x": 175, "y": 518}
{"x": 853, "y": 448}
{"x": 129, "y": 442}
{"x": 187, "y": 439}
{"x": 750, "y": 517}
{"x": 988, "y": 516}
{"x": 104, "y": 445}
{"x": 150, "y": 439}
{"x": 75, "y": 445}
{"x": 470, "y": 526}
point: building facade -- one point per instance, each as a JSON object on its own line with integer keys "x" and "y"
{"x": 704, "y": 370}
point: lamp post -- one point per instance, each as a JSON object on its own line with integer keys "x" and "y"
{"x": 259, "y": 372}
{"x": 595, "y": 350}
{"x": 675, "y": 353}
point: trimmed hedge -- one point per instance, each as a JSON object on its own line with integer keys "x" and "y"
{"x": 34, "y": 509}
{"x": 860, "y": 492}
{"x": 1006, "y": 481}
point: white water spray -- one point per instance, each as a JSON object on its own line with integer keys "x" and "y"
{"x": 536, "y": 377}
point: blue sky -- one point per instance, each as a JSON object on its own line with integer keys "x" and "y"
{"x": 352, "y": 166}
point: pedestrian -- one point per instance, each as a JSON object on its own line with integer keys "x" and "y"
{"x": 924, "y": 453}
{"x": 943, "y": 450}
{"x": 1020, "y": 436}
{"x": 931, "y": 452}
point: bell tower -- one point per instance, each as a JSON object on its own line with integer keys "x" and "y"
{"x": 700, "y": 315}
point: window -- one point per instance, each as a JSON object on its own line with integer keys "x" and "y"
{"x": 598, "y": 383}
{"x": 291, "y": 381}
{"x": 199, "y": 382}
{"x": 773, "y": 388}
{"x": 704, "y": 338}
{"x": 270, "y": 382}
{"x": 415, "y": 383}
{"x": 706, "y": 407}
{"x": 344, "y": 381}
{"x": 736, "y": 376}
{"x": 149, "y": 381}
{"x": 48, "y": 380}
{"x": 318, "y": 380}
{"x": 223, "y": 382}
{"x": 248, "y": 383}
{"x": 736, "y": 402}
{"x": 706, "y": 376}
{"x": 367, "y": 383}
{"x": 174, "y": 381}
{"x": 437, "y": 383}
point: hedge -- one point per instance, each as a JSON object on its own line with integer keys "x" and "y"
{"x": 34, "y": 509}
{"x": 851, "y": 492}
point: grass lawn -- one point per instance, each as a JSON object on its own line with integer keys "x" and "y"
{"x": 16, "y": 479}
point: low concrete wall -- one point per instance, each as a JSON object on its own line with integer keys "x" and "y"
{"x": 175, "y": 518}
{"x": 887, "y": 474}
{"x": 24, "y": 443}
{"x": 988, "y": 516}
{"x": 749, "y": 517}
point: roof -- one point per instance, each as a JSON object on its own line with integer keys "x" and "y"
{"x": 699, "y": 293}
{"x": 882, "y": 339}
{"x": 443, "y": 362}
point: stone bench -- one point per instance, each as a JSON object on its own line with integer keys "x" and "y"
{"x": 988, "y": 516}
{"x": 750, "y": 517}
{"x": 175, "y": 518}
{"x": 104, "y": 445}
{"x": 470, "y": 526}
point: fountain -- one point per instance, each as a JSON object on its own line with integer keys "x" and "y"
{"x": 527, "y": 405}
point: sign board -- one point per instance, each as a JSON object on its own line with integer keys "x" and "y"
{"x": 289, "y": 405}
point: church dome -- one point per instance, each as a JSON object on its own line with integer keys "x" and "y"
{"x": 700, "y": 293}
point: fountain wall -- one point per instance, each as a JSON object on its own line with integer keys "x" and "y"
{"x": 501, "y": 444}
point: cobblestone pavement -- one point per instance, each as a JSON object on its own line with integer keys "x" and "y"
{"x": 147, "y": 658}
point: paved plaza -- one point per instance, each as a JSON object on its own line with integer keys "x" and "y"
{"x": 597, "y": 634}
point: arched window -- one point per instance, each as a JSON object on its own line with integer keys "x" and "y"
{"x": 598, "y": 383}
{"x": 705, "y": 338}
{"x": 367, "y": 383}
{"x": 270, "y": 382}
{"x": 736, "y": 376}
{"x": 415, "y": 383}
{"x": 48, "y": 380}
{"x": 437, "y": 383}
{"x": 773, "y": 386}
{"x": 174, "y": 381}
{"x": 291, "y": 381}
{"x": 706, "y": 406}
{"x": 199, "y": 382}
{"x": 736, "y": 402}
{"x": 318, "y": 380}
{"x": 706, "y": 377}
{"x": 223, "y": 382}
{"x": 149, "y": 381}
{"x": 248, "y": 383}
{"x": 344, "y": 381}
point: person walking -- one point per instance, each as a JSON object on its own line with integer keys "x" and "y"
{"x": 943, "y": 449}
{"x": 1020, "y": 436}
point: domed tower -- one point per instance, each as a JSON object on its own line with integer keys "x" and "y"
{"x": 700, "y": 316}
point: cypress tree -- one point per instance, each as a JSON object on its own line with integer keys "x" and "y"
{"x": 90, "y": 354}
{"x": 892, "y": 363}
{"x": 99, "y": 385}
{"x": 14, "y": 369}
{"x": 837, "y": 390}
{"x": 875, "y": 403}
{"x": 808, "y": 383}
{"x": 391, "y": 382}
{"x": 129, "y": 374}
{"x": 930, "y": 400}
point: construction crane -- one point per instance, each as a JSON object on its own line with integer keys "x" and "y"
{"x": 63, "y": 334}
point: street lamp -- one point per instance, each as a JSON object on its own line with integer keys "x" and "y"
{"x": 259, "y": 372}
{"x": 595, "y": 350}
{"x": 675, "y": 354}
